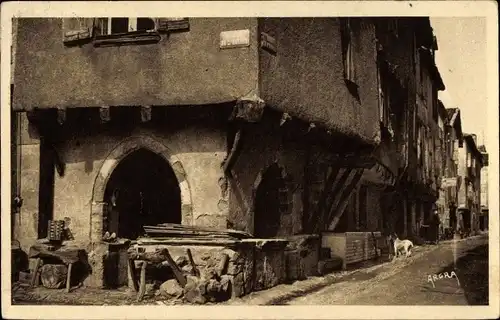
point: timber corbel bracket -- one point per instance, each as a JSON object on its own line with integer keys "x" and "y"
{"x": 249, "y": 108}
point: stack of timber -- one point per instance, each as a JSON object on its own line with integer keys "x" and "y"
{"x": 171, "y": 230}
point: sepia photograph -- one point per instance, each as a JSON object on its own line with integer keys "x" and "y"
{"x": 249, "y": 159}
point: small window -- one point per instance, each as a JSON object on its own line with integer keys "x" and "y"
{"x": 347, "y": 50}
{"x": 111, "y": 26}
{"x": 348, "y": 56}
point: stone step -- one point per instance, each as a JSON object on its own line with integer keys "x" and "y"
{"x": 326, "y": 266}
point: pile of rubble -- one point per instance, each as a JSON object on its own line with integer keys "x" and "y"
{"x": 210, "y": 283}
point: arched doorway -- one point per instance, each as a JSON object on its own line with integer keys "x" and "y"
{"x": 141, "y": 190}
{"x": 271, "y": 201}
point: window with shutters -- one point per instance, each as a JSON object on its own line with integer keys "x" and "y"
{"x": 346, "y": 32}
{"x": 119, "y": 30}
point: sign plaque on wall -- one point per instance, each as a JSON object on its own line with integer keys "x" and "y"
{"x": 234, "y": 39}
{"x": 268, "y": 43}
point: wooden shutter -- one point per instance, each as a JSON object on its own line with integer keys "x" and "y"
{"x": 77, "y": 29}
{"x": 101, "y": 26}
{"x": 172, "y": 24}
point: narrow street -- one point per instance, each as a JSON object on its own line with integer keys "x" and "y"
{"x": 394, "y": 284}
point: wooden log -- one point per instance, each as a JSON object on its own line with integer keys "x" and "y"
{"x": 131, "y": 275}
{"x": 68, "y": 278}
{"x": 104, "y": 114}
{"x": 61, "y": 115}
{"x": 35, "y": 278}
{"x": 153, "y": 257}
{"x": 338, "y": 208}
{"x": 181, "y": 279}
{"x": 142, "y": 285}
{"x": 145, "y": 113}
{"x": 191, "y": 260}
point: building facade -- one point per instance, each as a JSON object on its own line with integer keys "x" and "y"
{"x": 286, "y": 128}
{"x": 469, "y": 194}
{"x": 263, "y": 125}
{"x": 452, "y": 140}
{"x": 483, "y": 218}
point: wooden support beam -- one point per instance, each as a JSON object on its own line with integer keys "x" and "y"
{"x": 61, "y": 115}
{"x": 285, "y": 117}
{"x": 145, "y": 113}
{"x": 248, "y": 109}
{"x": 338, "y": 209}
{"x": 68, "y": 278}
{"x": 335, "y": 198}
{"x": 105, "y": 114}
{"x": 142, "y": 285}
{"x": 324, "y": 195}
{"x": 131, "y": 275}
{"x": 191, "y": 260}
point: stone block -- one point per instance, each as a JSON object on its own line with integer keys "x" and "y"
{"x": 233, "y": 268}
{"x": 170, "y": 289}
{"x": 329, "y": 265}
{"x": 232, "y": 254}
{"x": 294, "y": 270}
{"x": 192, "y": 292}
{"x": 270, "y": 268}
{"x": 238, "y": 285}
{"x": 53, "y": 276}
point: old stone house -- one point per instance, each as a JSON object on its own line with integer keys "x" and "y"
{"x": 451, "y": 181}
{"x": 469, "y": 194}
{"x": 407, "y": 47}
{"x": 265, "y": 125}
{"x": 483, "y": 218}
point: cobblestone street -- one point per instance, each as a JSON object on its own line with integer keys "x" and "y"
{"x": 403, "y": 282}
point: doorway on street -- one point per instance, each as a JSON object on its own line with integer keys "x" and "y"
{"x": 270, "y": 203}
{"x": 142, "y": 190}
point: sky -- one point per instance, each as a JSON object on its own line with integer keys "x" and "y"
{"x": 461, "y": 60}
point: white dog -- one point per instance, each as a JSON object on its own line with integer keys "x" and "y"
{"x": 401, "y": 246}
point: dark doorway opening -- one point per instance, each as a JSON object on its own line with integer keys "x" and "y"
{"x": 269, "y": 203}
{"x": 46, "y": 187}
{"x": 142, "y": 190}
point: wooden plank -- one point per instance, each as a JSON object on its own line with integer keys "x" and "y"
{"x": 142, "y": 284}
{"x": 338, "y": 207}
{"x": 336, "y": 194}
{"x": 202, "y": 229}
{"x": 68, "y": 278}
{"x": 324, "y": 196}
{"x": 34, "y": 278}
{"x": 181, "y": 279}
{"x": 131, "y": 275}
{"x": 155, "y": 257}
{"x": 191, "y": 260}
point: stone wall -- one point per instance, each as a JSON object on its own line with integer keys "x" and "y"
{"x": 245, "y": 266}
{"x": 26, "y": 220}
{"x": 200, "y": 152}
{"x": 197, "y": 153}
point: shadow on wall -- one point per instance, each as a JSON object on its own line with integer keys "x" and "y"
{"x": 472, "y": 271}
{"x": 124, "y": 120}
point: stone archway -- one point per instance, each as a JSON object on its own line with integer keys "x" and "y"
{"x": 122, "y": 150}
